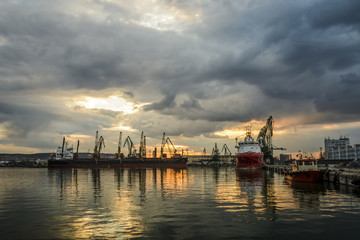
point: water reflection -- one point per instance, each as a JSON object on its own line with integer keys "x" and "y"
{"x": 307, "y": 194}
{"x": 95, "y": 177}
{"x": 193, "y": 203}
{"x": 120, "y": 206}
{"x": 258, "y": 187}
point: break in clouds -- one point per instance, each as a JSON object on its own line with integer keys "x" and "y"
{"x": 194, "y": 67}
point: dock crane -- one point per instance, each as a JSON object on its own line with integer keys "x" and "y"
{"x": 169, "y": 145}
{"x": 265, "y": 140}
{"x": 142, "y": 148}
{"x": 163, "y": 142}
{"x": 131, "y": 147}
{"x": 99, "y": 142}
{"x": 226, "y": 150}
{"x": 166, "y": 141}
{"x": 62, "y": 148}
{"x": 95, "y": 154}
{"x": 76, "y": 155}
{"x": 215, "y": 152}
{"x": 119, "y": 155}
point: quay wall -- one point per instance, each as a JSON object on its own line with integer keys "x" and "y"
{"x": 345, "y": 176}
{"x": 208, "y": 159}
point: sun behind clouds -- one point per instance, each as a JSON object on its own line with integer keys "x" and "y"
{"x": 112, "y": 103}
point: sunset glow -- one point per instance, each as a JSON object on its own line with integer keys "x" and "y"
{"x": 112, "y": 103}
{"x": 230, "y": 133}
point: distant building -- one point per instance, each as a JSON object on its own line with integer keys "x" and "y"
{"x": 340, "y": 149}
{"x": 284, "y": 157}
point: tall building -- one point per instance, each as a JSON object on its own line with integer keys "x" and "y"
{"x": 340, "y": 149}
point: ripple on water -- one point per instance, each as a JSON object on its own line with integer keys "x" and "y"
{"x": 168, "y": 204}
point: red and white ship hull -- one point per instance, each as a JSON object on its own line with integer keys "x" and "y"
{"x": 249, "y": 160}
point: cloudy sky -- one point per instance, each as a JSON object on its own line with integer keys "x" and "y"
{"x": 199, "y": 70}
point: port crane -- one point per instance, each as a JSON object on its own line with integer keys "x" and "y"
{"x": 62, "y": 148}
{"x": 142, "y": 148}
{"x": 76, "y": 155}
{"x": 265, "y": 140}
{"x": 131, "y": 147}
{"x": 99, "y": 142}
{"x": 118, "y": 155}
{"x": 226, "y": 150}
{"x": 215, "y": 152}
{"x": 166, "y": 141}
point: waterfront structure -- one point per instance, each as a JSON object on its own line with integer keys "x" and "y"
{"x": 340, "y": 149}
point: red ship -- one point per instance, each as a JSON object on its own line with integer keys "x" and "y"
{"x": 249, "y": 152}
{"x": 304, "y": 170}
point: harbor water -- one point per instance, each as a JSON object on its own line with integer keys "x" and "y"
{"x": 192, "y": 203}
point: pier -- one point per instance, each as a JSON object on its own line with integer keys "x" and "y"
{"x": 336, "y": 175}
{"x": 208, "y": 160}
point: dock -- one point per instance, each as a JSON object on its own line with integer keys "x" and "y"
{"x": 335, "y": 175}
{"x": 209, "y": 160}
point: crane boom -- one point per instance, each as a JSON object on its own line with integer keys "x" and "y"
{"x": 215, "y": 150}
{"x": 265, "y": 140}
{"x": 131, "y": 147}
{"x": 96, "y": 143}
{"x": 142, "y": 148}
{"x": 119, "y": 146}
{"x": 101, "y": 143}
{"x": 226, "y": 150}
{"x": 169, "y": 145}
{"x": 163, "y": 142}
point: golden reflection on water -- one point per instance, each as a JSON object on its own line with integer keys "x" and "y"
{"x": 121, "y": 195}
{"x": 167, "y": 203}
{"x": 128, "y": 203}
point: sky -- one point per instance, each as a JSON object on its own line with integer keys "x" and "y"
{"x": 198, "y": 70}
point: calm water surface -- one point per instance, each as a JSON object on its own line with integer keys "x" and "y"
{"x": 193, "y": 203}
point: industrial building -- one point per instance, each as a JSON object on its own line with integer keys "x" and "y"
{"x": 340, "y": 149}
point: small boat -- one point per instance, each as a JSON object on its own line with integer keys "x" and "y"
{"x": 304, "y": 170}
{"x": 249, "y": 152}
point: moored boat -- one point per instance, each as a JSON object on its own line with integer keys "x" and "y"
{"x": 249, "y": 152}
{"x": 304, "y": 170}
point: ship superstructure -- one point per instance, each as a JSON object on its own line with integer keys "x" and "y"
{"x": 249, "y": 153}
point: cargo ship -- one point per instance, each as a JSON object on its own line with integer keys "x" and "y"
{"x": 304, "y": 170}
{"x": 249, "y": 153}
{"x": 64, "y": 157}
{"x": 174, "y": 162}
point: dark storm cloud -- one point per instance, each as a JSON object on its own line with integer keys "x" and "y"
{"x": 222, "y": 61}
{"x": 75, "y": 52}
{"x": 23, "y": 119}
{"x": 327, "y": 14}
{"x": 166, "y": 102}
{"x": 307, "y": 45}
{"x": 191, "y": 104}
{"x": 342, "y": 96}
